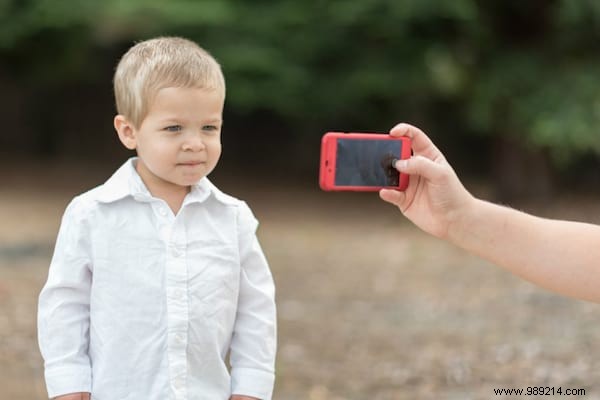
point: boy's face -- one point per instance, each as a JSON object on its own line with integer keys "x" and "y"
{"x": 179, "y": 140}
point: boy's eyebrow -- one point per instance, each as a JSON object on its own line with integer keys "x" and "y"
{"x": 178, "y": 120}
{"x": 216, "y": 120}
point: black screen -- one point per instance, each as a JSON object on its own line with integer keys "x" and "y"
{"x": 363, "y": 162}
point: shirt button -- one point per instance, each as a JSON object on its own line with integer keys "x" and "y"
{"x": 179, "y": 338}
{"x": 162, "y": 211}
{"x": 178, "y": 294}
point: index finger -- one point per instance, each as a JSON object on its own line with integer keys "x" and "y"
{"x": 420, "y": 142}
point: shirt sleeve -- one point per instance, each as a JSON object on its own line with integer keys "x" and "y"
{"x": 254, "y": 340}
{"x": 63, "y": 309}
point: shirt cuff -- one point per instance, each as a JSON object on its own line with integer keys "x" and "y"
{"x": 68, "y": 380}
{"x": 252, "y": 382}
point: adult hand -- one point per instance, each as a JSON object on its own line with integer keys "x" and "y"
{"x": 435, "y": 197}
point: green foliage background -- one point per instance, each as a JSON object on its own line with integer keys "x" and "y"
{"x": 467, "y": 70}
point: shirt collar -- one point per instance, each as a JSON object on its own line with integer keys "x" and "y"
{"x": 127, "y": 182}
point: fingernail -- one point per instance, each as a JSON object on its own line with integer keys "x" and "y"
{"x": 401, "y": 164}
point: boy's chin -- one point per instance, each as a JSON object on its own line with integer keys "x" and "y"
{"x": 189, "y": 181}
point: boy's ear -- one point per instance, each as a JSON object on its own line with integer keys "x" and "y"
{"x": 126, "y": 132}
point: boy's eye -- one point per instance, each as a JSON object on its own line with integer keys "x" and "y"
{"x": 210, "y": 128}
{"x": 173, "y": 128}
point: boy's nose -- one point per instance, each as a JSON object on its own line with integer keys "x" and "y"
{"x": 193, "y": 143}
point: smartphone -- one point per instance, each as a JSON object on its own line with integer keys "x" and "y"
{"x": 362, "y": 162}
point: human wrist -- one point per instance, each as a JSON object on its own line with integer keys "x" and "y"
{"x": 462, "y": 219}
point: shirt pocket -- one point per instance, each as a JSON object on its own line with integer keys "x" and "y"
{"x": 213, "y": 272}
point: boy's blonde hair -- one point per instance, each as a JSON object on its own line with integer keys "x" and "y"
{"x": 154, "y": 64}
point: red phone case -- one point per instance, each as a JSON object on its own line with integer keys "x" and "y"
{"x": 327, "y": 168}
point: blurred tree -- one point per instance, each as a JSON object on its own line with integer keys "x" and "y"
{"x": 533, "y": 88}
{"x": 523, "y": 73}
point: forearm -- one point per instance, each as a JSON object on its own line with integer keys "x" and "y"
{"x": 558, "y": 255}
{"x": 254, "y": 341}
{"x": 253, "y": 351}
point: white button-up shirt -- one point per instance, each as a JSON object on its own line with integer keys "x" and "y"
{"x": 144, "y": 304}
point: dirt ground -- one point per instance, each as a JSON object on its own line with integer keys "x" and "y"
{"x": 369, "y": 307}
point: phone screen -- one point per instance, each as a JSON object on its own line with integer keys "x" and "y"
{"x": 363, "y": 162}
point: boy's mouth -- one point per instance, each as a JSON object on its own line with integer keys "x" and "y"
{"x": 191, "y": 163}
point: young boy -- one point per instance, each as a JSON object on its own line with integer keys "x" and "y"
{"x": 157, "y": 275}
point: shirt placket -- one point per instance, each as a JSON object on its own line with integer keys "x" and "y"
{"x": 173, "y": 231}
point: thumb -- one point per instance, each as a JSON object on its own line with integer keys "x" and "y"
{"x": 421, "y": 166}
{"x": 393, "y": 196}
